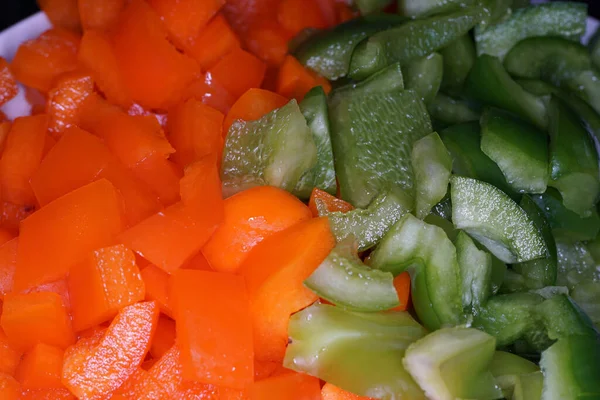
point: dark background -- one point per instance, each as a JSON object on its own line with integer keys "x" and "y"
{"x": 12, "y": 11}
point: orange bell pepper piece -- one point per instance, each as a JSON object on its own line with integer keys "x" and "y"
{"x": 100, "y": 16}
{"x": 11, "y": 215}
{"x": 63, "y": 232}
{"x": 268, "y": 41}
{"x": 9, "y": 355}
{"x": 95, "y": 367}
{"x": 275, "y": 271}
{"x": 172, "y": 237}
{"x": 195, "y": 131}
{"x": 294, "y": 80}
{"x": 331, "y": 392}
{"x": 21, "y": 157}
{"x": 227, "y": 72}
{"x": 331, "y": 203}
{"x": 41, "y": 368}
{"x": 164, "y": 337}
{"x": 6, "y": 235}
{"x": 161, "y": 176}
{"x": 8, "y": 83}
{"x": 297, "y": 15}
{"x": 97, "y": 56}
{"x": 250, "y": 217}
{"x": 62, "y": 13}
{"x": 213, "y": 41}
{"x": 154, "y": 72}
{"x": 9, "y": 387}
{"x": 47, "y": 394}
{"x": 156, "y": 282}
{"x": 221, "y": 355}
{"x": 100, "y": 286}
{"x": 8, "y": 265}
{"x": 252, "y": 105}
{"x": 59, "y": 287}
{"x": 140, "y": 386}
{"x": 28, "y": 319}
{"x": 264, "y": 369}
{"x": 38, "y": 62}
{"x": 65, "y": 99}
{"x": 288, "y": 386}
{"x": 198, "y": 262}
{"x": 184, "y": 18}
{"x": 402, "y": 285}
{"x": 210, "y": 92}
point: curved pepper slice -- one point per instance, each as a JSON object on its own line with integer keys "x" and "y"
{"x": 424, "y": 76}
{"x": 475, "y": 272}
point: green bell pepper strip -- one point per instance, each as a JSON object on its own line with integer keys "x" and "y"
{"x": 508, "y": 317}
{"x": 328, "y": 53}
{"x": 559, "y": 61}
{"x": 412, "y": 40}
{"x": 426, "y": 8}
{"x": 322, "y": 174}
{"x": 519, "y": 379}
{"x": 447, "y": 111}
{"x": 562, "y": 19}
{"x": 594, "y": 47}
{"x": 489, "y": 83}
{"x": 495, "y": 220}
{"x": 372, "y": 138}
{"x": 342, "y": 279}
{"x": 277, "y": 150}
{"x": 358, "y": 352}
{"x": 432, "y": 166}
{"x": 562, "y": 318}
{"x": 499, "y": 271}
{"x": 371, "y": 6}
{"x": 430, "y": 258}
{"x": 475, "y": 272}
{"x": 367, "y": 226}
{"x": 573, "y": 160}
{"x": 587, "y": 296}
{"x": 566, "y": 224}
{"x": 463, "y": 142}
{"x": 459, "y": 57}
{"x": 424, "y": 76}
{"x": 454, "y": 363}
{"x": 444, "y": 223}
{"x": 575, "y": 264}
{"x": 388, "y": 80}
{"x": 571, "y": 369}
{"x": 543, "y": 271}
{"x": 518, "y": 148}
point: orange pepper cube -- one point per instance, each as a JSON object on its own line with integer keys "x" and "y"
{"x": 41, "y": 368}
{"x": 227, "y": 72}
{"x": 287, "y": 386}
{"x": 9, "y": 356}
{"x": 331, "y": 392}
{"x": 214, "y": 331}
{"x": 28, "y": 319}
{"x": 8, "y": 84}
{"x": 105, "y": 282}
{"x": 157, "y": 287}
{"x": 62, "y": 233}
{"x": 9, "y": 387}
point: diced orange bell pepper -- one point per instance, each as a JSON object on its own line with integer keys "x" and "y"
{"x": 8, "y": 265}
{"x": 287, "y": 386}
{"x": 331, "y": 392}
{"x": 252, "y": 105}
{"x": 210, "y": 92}
{"x": 154, "y": 72}
{"x": 9, "y": 355}
{"x": 65, "y": 99}
{"x": 294, "y": 80}
{"x": 167, "y": 371}
{"x": 38, "y": 62}
{"x": 164, "y": 337}
{"x": 156, "y": 282}
{"x": 11, "y": 215}
{"x": 221, "y": 355}
{"x": 97, "y": 56}
{"x": 63, "y": 232}
{"x": 161, "y": 176}
{"x": 62, "y": 13}
{"x": 227, "y": 72}
{"x": 268, "y": 41}
{"x": 95, "y": 367}
{"x": 4, "y": 130}
{"x": 250, "y": 217}
{"x": 241, "y": 14}
{"x": 320, "y": 198}
{"x": 140, "y": 386}
{"x": 195, "y": 131}
{"x": 28, "y": 319}
{"x": 184, "y": 18}
{"x": 213, "y": 41}
{"x": 402, "y": 285}
{"x": 8, "y": 84}
{"x": 9, "y": 387}
{"x": 100, "y": 286}
{"x": 297, "y": 15}
{"x": 41, "y": 368}
{"x": 198, "y": 262}
{"x": 59, "y": 287}
{"x": 100, "y": 16}
{"x": 172, "y": 237}
{"x": 47, "y": 394}
{"x": 264, "y": 369}
{"x": 275, "y": 271}
{"x": 21, "y": 157}
{"x": 6, "y": 235}
{"x": 3, "y": 117}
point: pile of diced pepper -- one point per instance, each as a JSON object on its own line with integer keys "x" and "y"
{"x": 302, "y": 199}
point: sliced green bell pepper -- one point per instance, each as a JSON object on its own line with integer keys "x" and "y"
{"x": 358, "y": 352}
{"x": 454, "y": 363}
{"x": 519, "y": 379}
{"x": 575, "y": 264}
{"x": 275, "y": 150}
{"x": 425, "y": 8}
{"x": 424, "y": 76}
{"x": 594, "y": 47}
{"x": 563, "y": 318}
{"x": 587, "y": 296}
{"x": 459, "y": 57}
{"x": 447, "y": 111}
{"x": 371, "y": 6}
{"x": 475, "y": 272}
